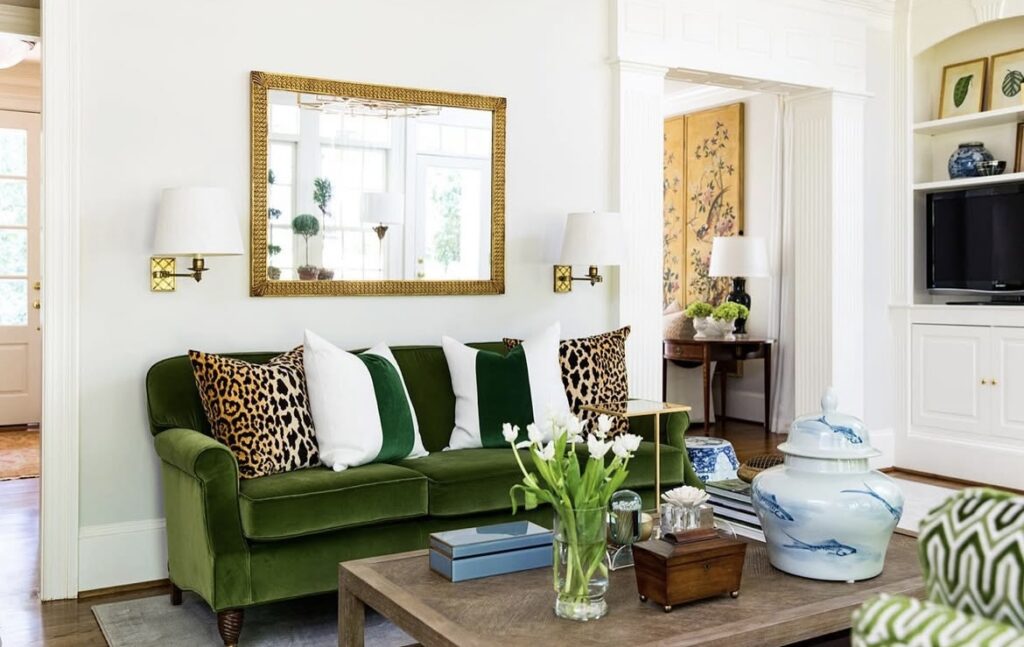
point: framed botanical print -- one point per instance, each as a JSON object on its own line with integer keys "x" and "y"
{"x": 1006, "y": 88}
{"x": 963, "y": 88}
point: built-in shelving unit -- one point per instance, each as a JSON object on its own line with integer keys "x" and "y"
{"x": 968, "y": 182}
{"x": 1010, "y": 115}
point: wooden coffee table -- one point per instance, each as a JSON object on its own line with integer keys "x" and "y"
{"x": 517, "y": 609}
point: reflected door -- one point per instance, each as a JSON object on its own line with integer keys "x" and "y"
{"x": 453, "y": 227}
{"x": 20, "y": 350}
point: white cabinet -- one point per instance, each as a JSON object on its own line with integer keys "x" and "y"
{"x": 968, "y": 379}
{"x": 949, "y": 364}
{"x": 1008, "y": 371}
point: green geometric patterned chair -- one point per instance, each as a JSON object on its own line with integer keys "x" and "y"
{"x": 972, "y": 553}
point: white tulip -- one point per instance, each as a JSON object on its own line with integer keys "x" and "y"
{"x": 547, "y": 452}
{"x": 534, "y": 433}
{"x": 619, "y": 448}
{"x": 510, "y": 432}
{"x": 604, "y": 425}
{"x": 631, "y": 441}
{"x": 597, "y": 447}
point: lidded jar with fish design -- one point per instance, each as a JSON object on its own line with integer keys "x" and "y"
{"x": 826, "y": 514}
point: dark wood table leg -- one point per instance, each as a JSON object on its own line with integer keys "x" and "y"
{"x": 706, "y": 374}
{"x": 664, "y": 379}
{"x": 722, "y": 380}
{"x": 767, "y": 388}
{"x": 351, "y": 617}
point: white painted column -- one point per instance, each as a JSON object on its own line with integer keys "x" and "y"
{"x": 637, "y": 192}
{"x": 58, "y": 537}
{"x": 825, "y": 164}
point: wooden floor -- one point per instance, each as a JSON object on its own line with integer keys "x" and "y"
{"x": 24, "y": 621}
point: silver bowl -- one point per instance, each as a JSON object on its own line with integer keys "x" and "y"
{"x": 991, "y": 167}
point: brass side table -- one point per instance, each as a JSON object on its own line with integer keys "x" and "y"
{"x": 636, "y": 409}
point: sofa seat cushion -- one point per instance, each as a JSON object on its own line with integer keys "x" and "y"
{"x": 471, "y": 481}
{"x": 319, "y": 499}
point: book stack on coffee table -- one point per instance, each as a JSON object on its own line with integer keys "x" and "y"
{"x": 731, "y": 500}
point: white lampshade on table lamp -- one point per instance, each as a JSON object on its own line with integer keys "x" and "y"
{"x": 196, "y": 222}
{"x": 383, "y": 209}
{"x": 592, "y": 239}
{"x": 739, "y": 257}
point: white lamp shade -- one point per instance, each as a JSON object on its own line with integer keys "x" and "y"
{"x": 738, "y": 256}
{"x": 594, "y": 238}
{"x": 13, "y": 50}
{"x": 196, "y": 221}
{"x": 383, "y": 208}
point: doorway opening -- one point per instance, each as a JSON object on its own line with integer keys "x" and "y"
{"x": 21, "y": 289}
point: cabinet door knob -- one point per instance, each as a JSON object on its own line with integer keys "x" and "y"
{"x": 984, "y": 381}
{"x": 993, "y": 381}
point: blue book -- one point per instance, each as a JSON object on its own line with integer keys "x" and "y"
{"x": 486, "y": 540}
{"x": 471, "y": 568}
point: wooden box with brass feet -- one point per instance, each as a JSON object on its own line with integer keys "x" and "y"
{"x": 694, "y": 566}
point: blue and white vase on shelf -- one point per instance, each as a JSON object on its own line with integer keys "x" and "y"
{"x": 965, "y": 159}
{"x": 826, "y": 515}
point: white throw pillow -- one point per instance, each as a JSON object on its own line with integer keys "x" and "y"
{"x": 491, "y": 389}
{"x": 361, "y": 409}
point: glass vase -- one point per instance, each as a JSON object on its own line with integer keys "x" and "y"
{"x": 580, "y": 566}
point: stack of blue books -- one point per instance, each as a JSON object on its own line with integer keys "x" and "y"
{"x": 472, "y": 553}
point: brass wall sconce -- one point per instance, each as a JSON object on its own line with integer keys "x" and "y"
{"x": 196, "y": 222}
{"x": 590, "y": 239}
{"x": 564, "y": 277}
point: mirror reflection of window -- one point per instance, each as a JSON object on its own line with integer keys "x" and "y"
{"x": 325, "y": 157}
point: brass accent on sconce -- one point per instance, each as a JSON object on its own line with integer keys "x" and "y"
{"x": 161, "y": 269}
{"x": 564, "y": 278}
{"x": 380, "y": 229}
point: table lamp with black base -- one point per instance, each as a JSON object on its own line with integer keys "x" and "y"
{"x": 740, "y": 257}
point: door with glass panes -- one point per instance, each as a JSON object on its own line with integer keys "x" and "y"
{"x": 20, "y": 350}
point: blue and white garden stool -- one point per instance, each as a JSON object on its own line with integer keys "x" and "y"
{"x": 713, "y": 459}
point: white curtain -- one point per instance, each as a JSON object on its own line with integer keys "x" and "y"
{"x": 780, "y": 254}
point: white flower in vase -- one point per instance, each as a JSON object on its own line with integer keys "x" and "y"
{"x": 685, "y": 496}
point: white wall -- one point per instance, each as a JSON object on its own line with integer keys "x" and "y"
{"x": 746, "y": 394}
{"x": 165, "y": 102}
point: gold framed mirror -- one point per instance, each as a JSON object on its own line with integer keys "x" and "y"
{"x": 361, "y": 189}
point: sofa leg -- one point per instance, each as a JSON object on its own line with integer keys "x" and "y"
{"x": 175, "y": 595}
{"x": 229, "y": 624}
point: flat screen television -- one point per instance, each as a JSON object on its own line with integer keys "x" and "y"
{"x": 976, "y": 240}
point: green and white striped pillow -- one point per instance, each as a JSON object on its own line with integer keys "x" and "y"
{"x": 360, "y": 406}
{"x": 492, "y": 389}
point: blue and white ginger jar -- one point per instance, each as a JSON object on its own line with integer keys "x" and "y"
{"x": 965, "y": 159}
{"x": 826, "y": 515}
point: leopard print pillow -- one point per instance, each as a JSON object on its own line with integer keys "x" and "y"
{"x": 593, "y": 372}
{"x": 260, "y": 411}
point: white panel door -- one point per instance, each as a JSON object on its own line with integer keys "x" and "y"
{"x": 1008, "y": 375}
{"x": 20, "y": 352}
{"x": 949, "y": 364}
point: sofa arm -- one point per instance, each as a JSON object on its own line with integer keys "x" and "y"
{"x": 195, "y": 454}
{"x": 888, "y": 620}
{"x": 673, "y": 432}
{"x": 673, "y": 428}
{"x": 206, "y": 550}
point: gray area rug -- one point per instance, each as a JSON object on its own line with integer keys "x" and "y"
{"x": 152, "y": 622}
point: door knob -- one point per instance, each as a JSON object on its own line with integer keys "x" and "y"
{"x": 984, "y": 381}
{"x": 36, "y": 286}
{"x": 36, "y": 305}
{"x": 994, "y": 382}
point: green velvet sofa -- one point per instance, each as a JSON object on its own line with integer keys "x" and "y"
{"x": 238, "y": 543}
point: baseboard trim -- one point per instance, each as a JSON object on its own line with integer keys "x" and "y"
{"x": 126, "y": 588}
{"x": 122, "y": 554}
{"x": 746, "y": 405}
{"x": 949, "y": 479}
